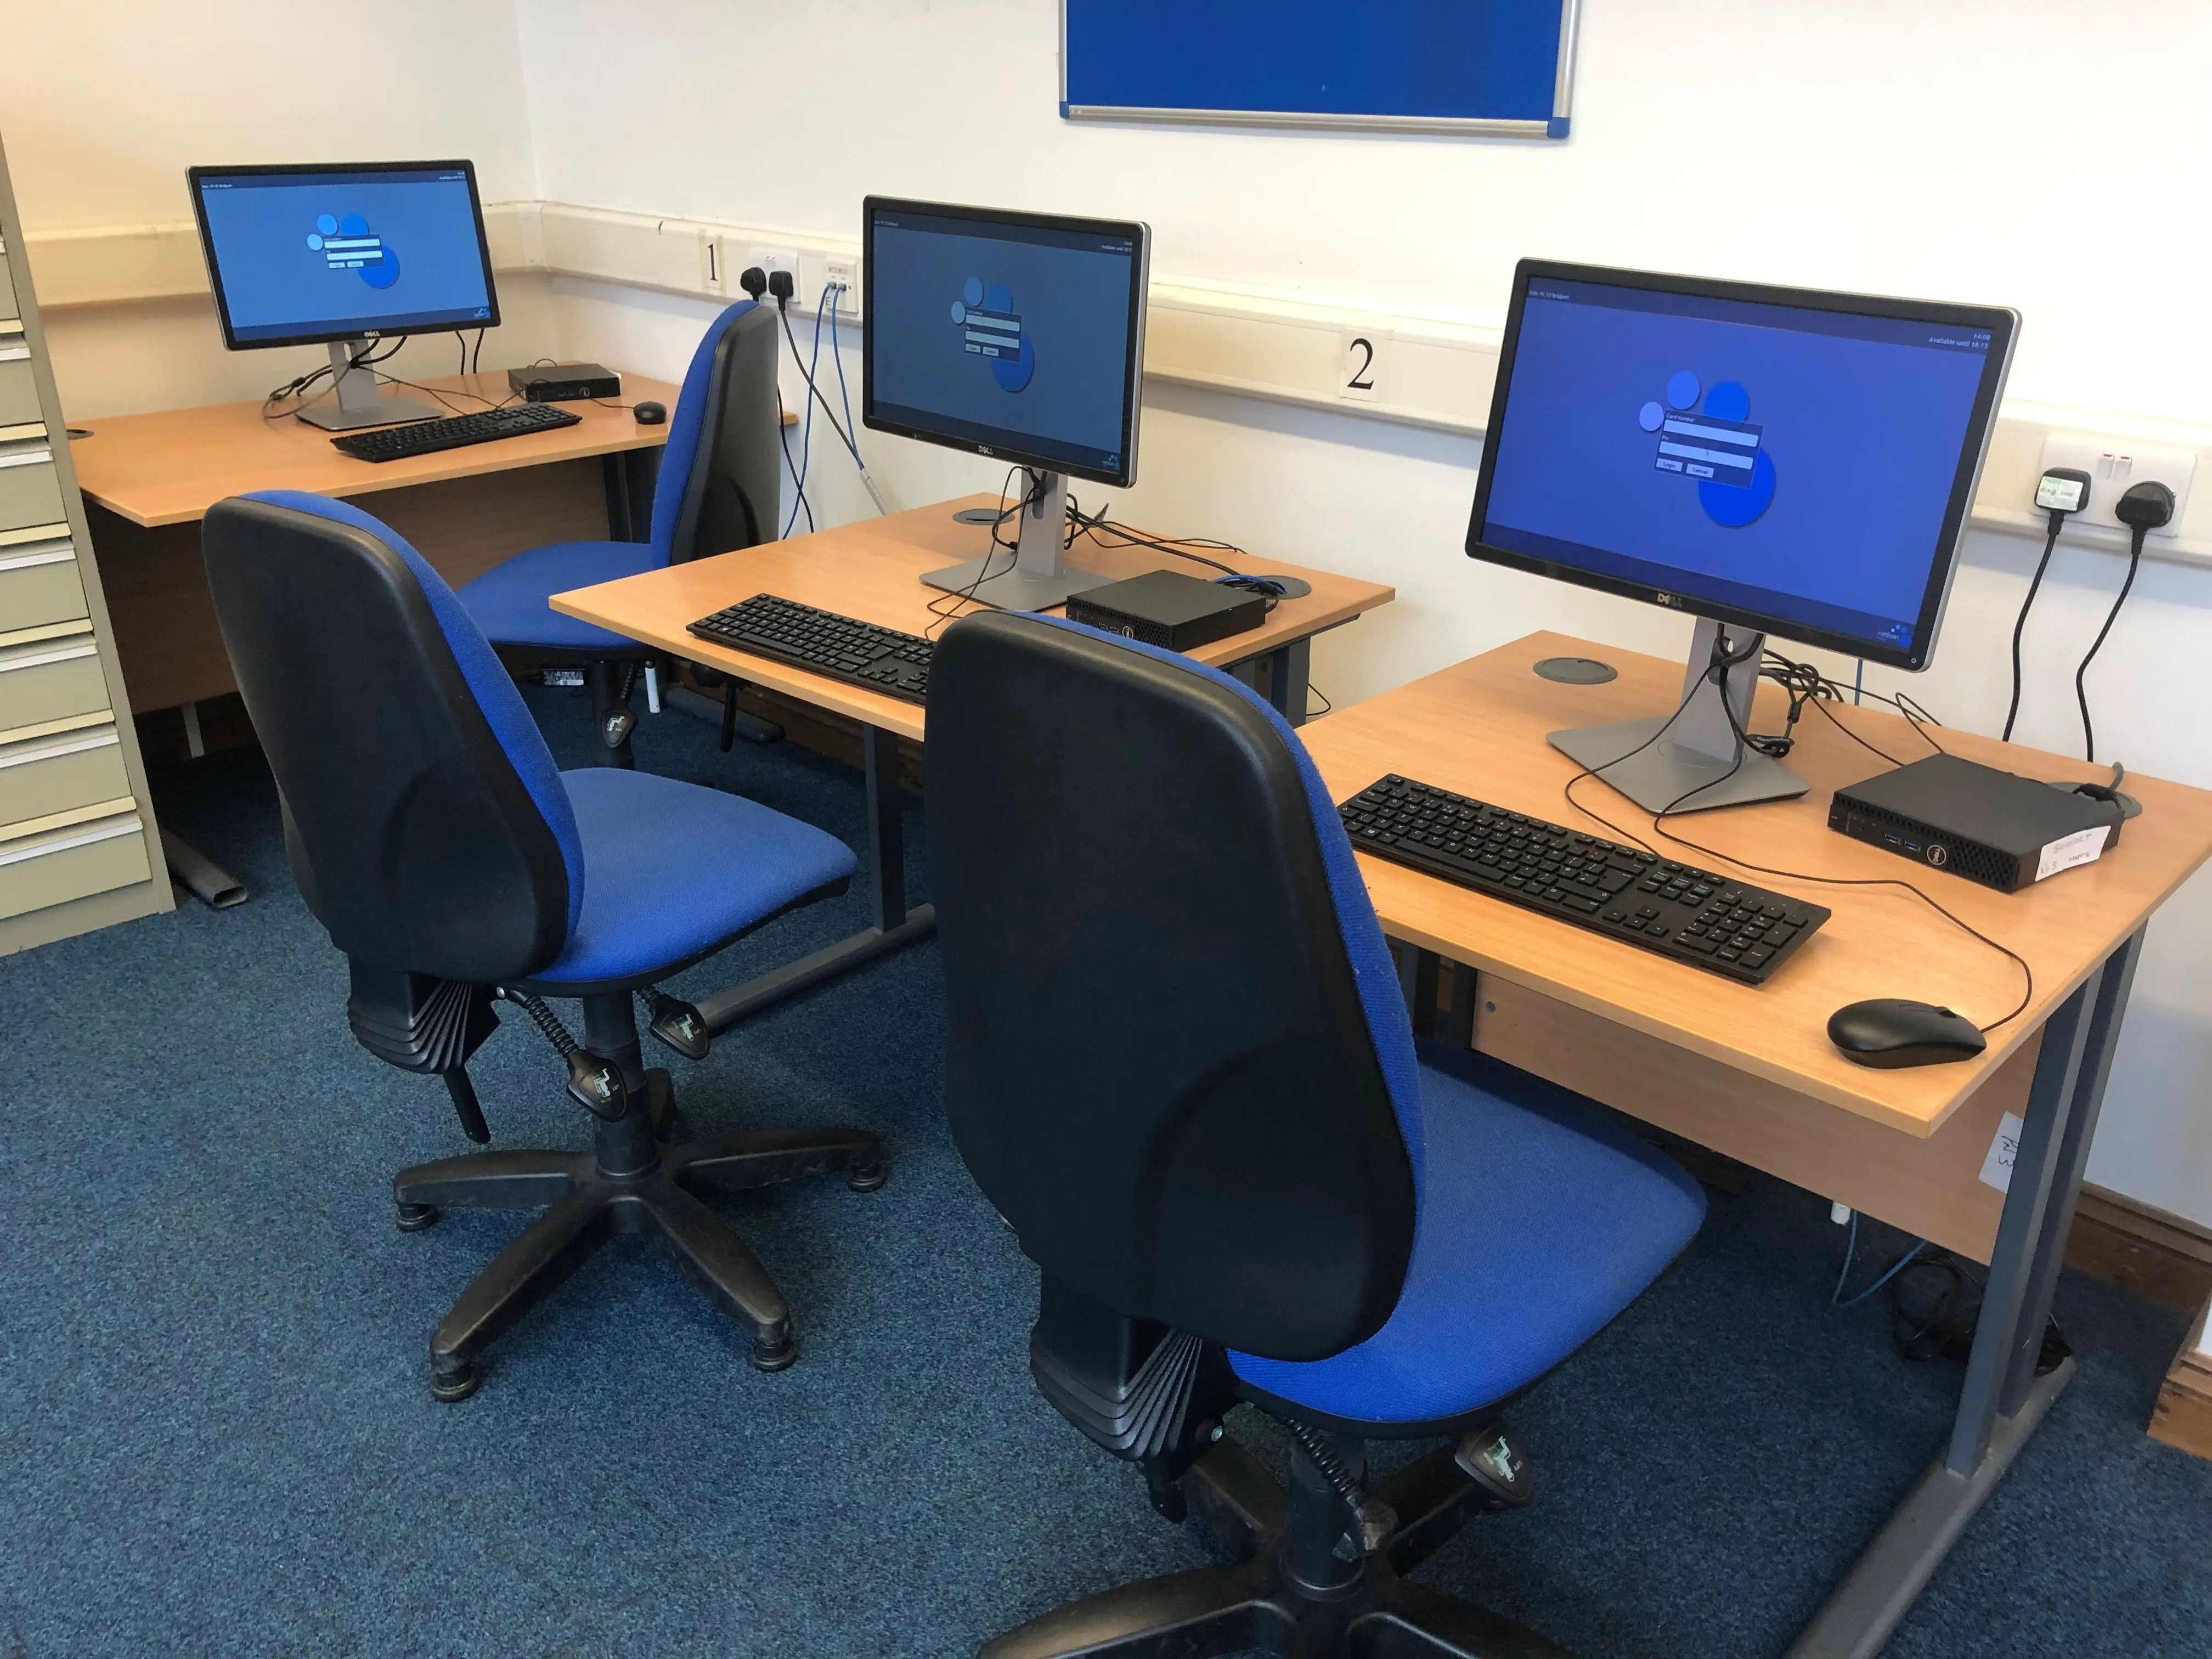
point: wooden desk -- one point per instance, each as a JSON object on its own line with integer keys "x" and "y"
{"x": 1749, "y": 1070}
{"x": 147, "y": 479}
{"x": 873, "y": 571}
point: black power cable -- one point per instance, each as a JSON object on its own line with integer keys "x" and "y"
{"x": 2144, "y": 508}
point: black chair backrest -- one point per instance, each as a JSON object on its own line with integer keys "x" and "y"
{"x": 427, "y": 827}
{"x": 1169, "y": 1062}
{"x": 722, "y": 474}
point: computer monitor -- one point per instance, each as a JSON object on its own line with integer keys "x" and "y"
{"x": 1768, "y": 459}
{"x": 305, "y": 254}
{"x": 1018, "y": 335}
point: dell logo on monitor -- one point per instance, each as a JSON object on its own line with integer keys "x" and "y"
{"x": 1668, "y": 599}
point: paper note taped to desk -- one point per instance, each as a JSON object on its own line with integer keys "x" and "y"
{"x": 2082, "y": 847}
{"x": 1997, "y": 1168}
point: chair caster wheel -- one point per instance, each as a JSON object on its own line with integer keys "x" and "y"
{"x": 866, "y": 1178}
{"x": 774, "y": 1353}
{"x": 450, "y": 1388}
{"x": 414, "y": 1218}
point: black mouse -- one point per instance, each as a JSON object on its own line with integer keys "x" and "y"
{"x": 1892, "y": 1031}
{"x": 648, "y": 413}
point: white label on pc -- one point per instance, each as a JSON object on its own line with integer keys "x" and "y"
{"x": 1997, "y": 1168}
{"x": 2082, "y": 847}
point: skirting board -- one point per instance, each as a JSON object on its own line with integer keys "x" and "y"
{"x": 1248, "y": 341}
{"x": 2182, "y": 1417}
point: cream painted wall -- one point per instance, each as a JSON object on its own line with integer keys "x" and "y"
{"x": 1880, "y": 144}
{"x": 104, "y": 103}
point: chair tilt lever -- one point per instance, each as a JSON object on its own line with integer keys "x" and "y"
{"x": 677, "y": 1022}
{"x": 594, "y": 1083}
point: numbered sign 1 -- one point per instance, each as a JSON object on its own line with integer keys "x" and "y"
{"x": 1365, "y": 357}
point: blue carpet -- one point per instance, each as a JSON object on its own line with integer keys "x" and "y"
{"x": 217, "y": 1436}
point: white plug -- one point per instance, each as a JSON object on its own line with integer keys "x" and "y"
{"x": 1840, "y": 1214}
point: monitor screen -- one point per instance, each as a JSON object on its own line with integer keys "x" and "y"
{"x": 301, "y": 254}
{"x": 1796, "y": 462}
{"x": 1018, "y": 335}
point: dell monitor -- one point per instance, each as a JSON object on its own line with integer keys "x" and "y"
{"x": 1768, "y": 459}
{"x": 1018, "y": 336}
{"x": 306, "y": 255}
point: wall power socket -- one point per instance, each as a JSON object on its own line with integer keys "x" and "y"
{"x": 2113, "y": 466}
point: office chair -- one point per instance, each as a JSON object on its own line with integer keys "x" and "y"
{"x": 716, "y": 491}
{"x": 431, "y": 835}
{"x": 1179, "y": 1064}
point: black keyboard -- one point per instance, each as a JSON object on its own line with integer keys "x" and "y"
{"x": 821, "y": 641}
{"x": 396, "y": 443}
{"x": 1693, "y": 916}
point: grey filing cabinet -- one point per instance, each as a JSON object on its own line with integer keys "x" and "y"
{"x": 78, "y": 845}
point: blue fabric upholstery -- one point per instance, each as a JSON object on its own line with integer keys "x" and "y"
{"x": 494, "y": 689}
{"x": 509, "y": 600}
{"x": 1380, "y": 996}
{"x": 675, "y": 869}
{"x": 1542, "y": 1220}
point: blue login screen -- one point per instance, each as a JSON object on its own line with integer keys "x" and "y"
{"x": 1793, "y": 463}
{"x": 328, "y": 254}
{"x": 1003, "y": 336}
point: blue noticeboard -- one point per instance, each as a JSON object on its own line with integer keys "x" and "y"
{"x": 1468, "y": 66}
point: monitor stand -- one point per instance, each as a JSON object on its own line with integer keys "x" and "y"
{"x": 1039, "y": 577}
{"x": 357, "y": 404}
{"x": 1685, "y": 768}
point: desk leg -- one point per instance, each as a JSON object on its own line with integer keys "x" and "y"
{"x": 895, "y": 924}
{"x": 1288, "y": 669}
{"x": 2003, "y": 1400}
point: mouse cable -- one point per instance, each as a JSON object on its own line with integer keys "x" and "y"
{"x": 2026, "y": 996}
{"x": 1719, "y": 661}
{"x": 950, "y": 607}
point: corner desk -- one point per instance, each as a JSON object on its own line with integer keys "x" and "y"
{"x": 872, "y": 570}
{"x": 1749, "y": 1072}
{"x": 148, "y": 479}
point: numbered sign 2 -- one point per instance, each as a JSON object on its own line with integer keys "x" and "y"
{"x": 1359, "y": 376}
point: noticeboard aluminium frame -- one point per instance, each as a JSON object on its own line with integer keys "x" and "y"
{"x": 1563, "y": 85}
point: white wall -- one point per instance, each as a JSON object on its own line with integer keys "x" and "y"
{"x": 1877, "y": 144}
{"x": 105, "y": 103}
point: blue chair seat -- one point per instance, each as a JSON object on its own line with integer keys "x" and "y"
{"x": 672, "y": 869}
{"x": 508, "y": 600}
{"x": 1540, "y": 1220}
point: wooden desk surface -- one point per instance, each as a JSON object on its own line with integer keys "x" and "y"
{"x": 1478, "y": 727}
{"x": 872, "y": 570}
{"x": 170, "y": 467}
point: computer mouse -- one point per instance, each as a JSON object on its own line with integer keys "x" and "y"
{"x": 1889, "y": 1032}
{"x": 648, "y": 413}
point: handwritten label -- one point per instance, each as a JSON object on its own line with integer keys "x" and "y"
{"x": 2082, "y": 847}
{"x": 1997, "y": 1168}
